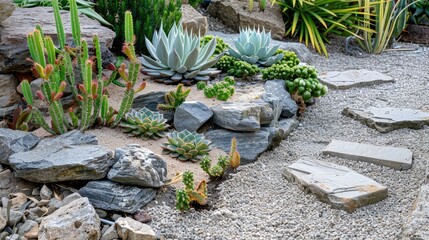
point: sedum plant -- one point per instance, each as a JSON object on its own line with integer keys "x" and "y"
{"x": 222, "y": 90}
{"x": 221, "y": 46}
{"x": 243, "y": 70}
{"x": 225, "y": 63}
{"x": 173, "y": 98}
{"x": 190, "y": 194}
{"x": 289, "y": 58}
{"x": 144, "y": 123}
{"x": 178, "y": 57}
{"x": 186, "y": 146}
{"x": 253, "y": 47}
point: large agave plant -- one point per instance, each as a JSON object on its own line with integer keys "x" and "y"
{"x": 144, "y": 123}
{"x": 186, "y": 145}
{"x": 178, "y": 57}
{"x": 252, "y": 46}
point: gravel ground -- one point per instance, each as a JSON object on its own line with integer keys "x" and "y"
{"x": 258, "y": 203}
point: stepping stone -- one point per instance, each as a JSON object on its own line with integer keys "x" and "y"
{"x": 353, "y": 78}
{"x": 393, "y": 157}
{"x": 417, "y": 224}
{"x": 334, "y": 184}
{"x": 389, "y": 119}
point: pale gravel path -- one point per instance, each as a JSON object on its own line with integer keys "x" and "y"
{"x": 262, "y": 205}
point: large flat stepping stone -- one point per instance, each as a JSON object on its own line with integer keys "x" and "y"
{"x": 353, "y": 78}
{"x": 393, "y": 157}
{"x": 417, "y": 224}
{"x": 334, "y": 184}
{"x": 389, "y": 119}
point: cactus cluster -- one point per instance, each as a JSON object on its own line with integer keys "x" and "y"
{"x": 188, "y": 195}
{"x": 225, "y": 63}
{"x": 144, "y": 123}
{"x": 221, "y": 46}
{"x": 222, "y": 90}
{"x": 186, "y": 146}
{"x": 218, "y": 170}
{"x": 242, "y": 69}
{"x": 174, "y": 98}
{"x": 289, "y": 58}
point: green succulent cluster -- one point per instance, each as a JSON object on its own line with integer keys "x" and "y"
{"x": 217, "y": 170}
{"x": 289, "y": 58}
{"x": 144, "y": 123}
{"x": 283, "y": 71}
{"x": 222, "y": 90}
{"x": 190, "y": 194}
{"x": 243, "y": 69}
{"x": 306, "y": 88}
{"x": 225, "y": 63}
{"x": 221, "y": 46}
{"x": 186, "y": 146}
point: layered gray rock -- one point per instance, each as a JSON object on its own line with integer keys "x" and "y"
{"x": 191, "y": 116}
{"x": 113, "y": 196}
{"x": 8, "y": 96}
{"x": 353, "y": 78}
{"x": 193, "y": 21}
{"x": 249, "y": 144}
{"x": 139, "y": 166}
{"x": 388, "y": 119}
{"x": 393, "y": 157}
{"x": 417, "y": 223}
{"x": 277, "y": 88}
{"x": 11, "y": 184}
{"x": 280, "y": 131}
{"x": 334, "y": 184}
{"x": 76, "y": 220}
{"x": 242, "y": 116}
{"x": 6, "y": 9}
{"x": 15, "y": 141}
{"x": 70, "y": 156}
{"x": 128, "y": 228}
{"x": 151, "y": 100}
{"x": 14, "y": 30}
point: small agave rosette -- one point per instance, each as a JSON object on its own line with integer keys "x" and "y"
{"x": 144, "y": 123}
{"x": 186, "y": 146}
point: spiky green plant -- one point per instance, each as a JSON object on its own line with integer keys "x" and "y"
{"x": 190, "y": 194}
{"x": 178, "y": 57}
{"x": 182, "y": 200}
{"x": 186, "y": 146}
{"x": 253, "y": 46}
{"x": 144, "y": 123}
{"x": 217, "y": 170}
{"x": 173, "y": 98}
{"x": 221, "y": 46}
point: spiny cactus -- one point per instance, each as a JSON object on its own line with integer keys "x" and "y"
{"x": 189, "y": 194}
{"x": 234, "y": 155}
{"x": 175, "y": 98}
{"x": 144, "y": 123}
{"x": 186, "y": 145}
{"x": 218, "y": 170}
{"x": 182, "y": 200}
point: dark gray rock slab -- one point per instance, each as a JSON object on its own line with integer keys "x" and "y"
{"x": 191, "y": 116}
{"x": 139, "y": 166}
{"x": 70, "y": 156}
{"x": 277, "y": 88}
{"x": 353, "y": 78}
{"x": 393, "y": 157}
{"x": 334, "y": 184}
{"x": 280, "y": 131}
{"x": 287, "y": 126}
{"x": 14, "y": 141}
{"x": 417, "y": 223}
{"x": 113, "y": 196}
{"x": 150, "y": 101}
{"x": 249, "y": 144}
{"x": 388, "y": 119}
{"x": 8, "y": 96}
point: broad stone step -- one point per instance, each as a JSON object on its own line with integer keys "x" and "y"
{"x": 389, "y": 119}
{"x": 353, "y": 78}
{"x": 396, "y": 158}
{"x": 417, "y": 225}
{"x": 337, "y": 185}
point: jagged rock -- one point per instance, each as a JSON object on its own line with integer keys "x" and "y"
{"x": 191, "y": 116}
{"x": 14, "y": 141}
{"x": 14, "y": 218}
{"x": 249, "y": 144}
{"x": 193, "y": 21}
{"x": 27, "y": 227}
{"x": 277, "y": 88}
{"x": 131, "y": 229}
{"x": 417, "y": 224}
{"x": 11, "y": 184}
{"x": 70, "y": 198}
{"x": 110, "y": 234}
{"x": 76, "y": 220}
{"x": 353, "y": 78}
{"x": 280, "y": 131}
{"x": 235, "y": 14}
{"x": 393, "y": 157}
{"x": 388, "y": 119}
{"x": 13, "y": 43}
{"x": 113, "y": 196}
{"x": 6, "y": 9}
{"x": 8, "y": 97}
{"x": 45, "y": 193}
{"x": 150, "y": 101}
{"x": 334, "y": 184}
{"x": 139, "y": 166}
{"x": 2, "y": 222}
{"x": 70, "y": 156}
{"x": 287, "y": 126}
{"x": 242, "y": 116}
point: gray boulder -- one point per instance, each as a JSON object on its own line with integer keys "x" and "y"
{"x": 193, "y": 21}
{"x": 150, "y": 101}
{"x": 113, "y": 196}
{"x": 139, "y": 166}
{"x": 280, "y": 131}
{"x": 277, "y": 88}
{"x": 6, "y": 9}
{"x": 191, "y": 116}
{"x": 70, "y": 156}
{"x": 14, "y": 141}
{"x": 8, "y": 97}
{"x": 131, "y": 229}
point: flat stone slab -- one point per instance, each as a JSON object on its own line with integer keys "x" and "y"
{"x": 393, "y": 157}
{"x": 353, "y": 78}
{"x": 417, "y": 224}
{"x": 389, "y": 119}
{"x": 334, "y": 184}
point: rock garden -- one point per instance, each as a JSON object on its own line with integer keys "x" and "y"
{"x": 221, "y": 119}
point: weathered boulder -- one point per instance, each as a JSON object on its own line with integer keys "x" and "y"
{"x": 11, "y": 184}
{"x": 280, "y": 131}
{"x": 193, "y": 21}
{"x": 191, "y": 116}
{"x": 6, "y": 9}
{"x": 8, "y": 97}
{"x": 131, "y": 229}
{"x": 277, "y": 88}
{"x": 417, "y": 223}
{"x": 353, "y": 78}
{"x": 150, "y": 101}
{"x": 15, "y": 141}
{"x": 14, "y": 30}
{"x": 235, "y": 14}
{"x": 113, "y": 196}
{"x": 70, "y": 156}
{"x": 139, "y": 166}
{"x": 76, "y": 220}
